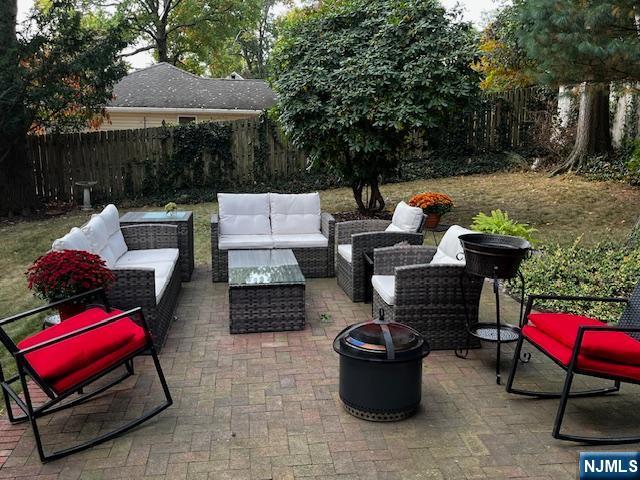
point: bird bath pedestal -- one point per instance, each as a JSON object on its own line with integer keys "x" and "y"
{"x": 86, "y": 185}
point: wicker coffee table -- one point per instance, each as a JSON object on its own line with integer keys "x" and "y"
{"x": 266, "y": 291}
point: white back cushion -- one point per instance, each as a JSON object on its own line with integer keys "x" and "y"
{"x": 450, "y": 250}
{"x": 117, "y": 244}
{"x": 111, "y": 218}
{"x": 405, "y": 218}
{"x": 295, "y": 213}
{"x": 96, "y": 232}
{"x": 244, "y": 213}
{"x": 74, "y": 240}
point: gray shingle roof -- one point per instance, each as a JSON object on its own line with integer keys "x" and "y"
{"x": 165, "y": 86}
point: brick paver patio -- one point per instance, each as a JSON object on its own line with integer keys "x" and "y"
{"x": 265, "y": 406}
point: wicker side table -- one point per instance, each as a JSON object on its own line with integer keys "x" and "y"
{"x": 184, "y": 222}
{"x": 266, "y": 291}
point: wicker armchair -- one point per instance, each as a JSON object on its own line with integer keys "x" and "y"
{"x": 427, "y": 297}
{"x": 359, "y": 237}
{"x": 135, "y": 286}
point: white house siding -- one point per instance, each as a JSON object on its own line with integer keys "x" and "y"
{"x": 133, "y": 120}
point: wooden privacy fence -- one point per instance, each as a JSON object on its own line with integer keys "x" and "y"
{"x": 120, "y": 160}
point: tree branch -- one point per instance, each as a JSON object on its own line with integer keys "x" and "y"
{"x": 137, "y": 50}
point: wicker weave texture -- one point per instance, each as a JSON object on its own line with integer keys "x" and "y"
{"x": 136, "y": 287}
{"x": 314, "y": 262}
{"x": 364, "y": 236}
{"x": 185, "y": 239}
{"x": 266, "y": 308}
{"x": 428, "y": 297}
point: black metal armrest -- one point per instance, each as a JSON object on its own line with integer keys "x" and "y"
{"x": 568, "y": 298}
{"x": 95, "y": 292}
{"x": 80, "y": 331}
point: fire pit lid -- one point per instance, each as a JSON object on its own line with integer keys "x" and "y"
{"x": 377, "y": 339}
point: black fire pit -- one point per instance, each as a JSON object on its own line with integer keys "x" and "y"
{"x": 495, "y": 257}
{"x": 380, "y": 369}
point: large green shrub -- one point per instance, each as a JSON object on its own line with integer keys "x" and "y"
{"x": 604, "y": 270}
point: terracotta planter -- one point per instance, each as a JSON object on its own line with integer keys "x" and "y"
{"x": 432, "y": 221}
{"x": 68, "y": 310}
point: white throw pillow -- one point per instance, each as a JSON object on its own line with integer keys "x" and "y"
{"x": 111, "y": 218}
{"x": 96, "y": 232}
{"x": 450, "y": 250}
{"x": 244, "y": 213}
{"x": 405, "y": 218}
{"x": 295, "y": 213}
{"x": 117, "y": 244}
{"x": 74, "y": 240}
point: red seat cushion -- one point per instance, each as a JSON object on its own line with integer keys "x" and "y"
{"x": 562, "y": 354}
{"x": 69, "y": 362}
{"x": 608, "y": 346}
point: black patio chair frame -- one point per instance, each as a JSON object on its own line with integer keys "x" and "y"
{"x": 25, "y": 370}
{"x": 630, "y": 317}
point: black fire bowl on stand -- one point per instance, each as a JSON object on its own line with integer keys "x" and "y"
{"x": 380, "y": 369}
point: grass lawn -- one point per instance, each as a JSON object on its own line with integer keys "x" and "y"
{"x": 561, "y": 208}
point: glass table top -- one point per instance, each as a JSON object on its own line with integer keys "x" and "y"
{"x": 263, "y": 267}
{"x": 164, "y": 215}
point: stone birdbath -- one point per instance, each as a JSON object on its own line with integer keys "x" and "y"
{"x": 86, "y": 185}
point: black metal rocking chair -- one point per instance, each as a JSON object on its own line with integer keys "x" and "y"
{"x": 576, "y": 356}
{"x": 119, "y": 342}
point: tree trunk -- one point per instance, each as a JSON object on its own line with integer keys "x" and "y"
{"x": 161, "y": 48}
{"x": 375, "y": 203}
{"x": 16, "y": 180}
{"x": 593, "y": 133}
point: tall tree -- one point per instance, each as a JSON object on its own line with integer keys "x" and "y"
{"x": 356, "y": 77}
{"x": 55, "y": 75}
{"x": 587, "y": 42}
{"x": 185, "y": 31}
{"x": 503, "y": 61}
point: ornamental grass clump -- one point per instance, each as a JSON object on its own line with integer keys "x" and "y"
{"x": 432, "y": 202}
{"x": 57, "y": 275}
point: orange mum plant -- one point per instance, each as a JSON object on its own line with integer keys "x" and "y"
{"x": 431, "y": 202}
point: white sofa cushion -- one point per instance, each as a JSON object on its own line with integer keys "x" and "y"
{"x": 450, "y": 250}
{"x": 405, "y": 218}
{"x": 240, "y": 242}
{"x": 162, "y": 261}
{"x": 295, "y": 213}
{"x": 301, "y": 240}
{"x": 74, "y": 240}
{"x": 385, "y": 285}
{"x": 148, "y": 257}
{"x": 96, "y": 232}
{"x": 345, "y": 252}
{"x": 244, "y": 213}
{"x": 111, "y": 219}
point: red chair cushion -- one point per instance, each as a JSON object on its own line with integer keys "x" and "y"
{"x": 562, "y": 354}
{"x": 608, "y": 346}
{"x": 69, "y": 362}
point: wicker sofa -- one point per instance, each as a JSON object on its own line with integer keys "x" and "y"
{"x": 271, "y": 221}
{"x": 421, "y": 287}
{"x": 144, "y": 259}
{"x": 357, "y": 237}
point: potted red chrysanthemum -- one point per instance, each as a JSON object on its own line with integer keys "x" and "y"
{"x": 57, "y": 275}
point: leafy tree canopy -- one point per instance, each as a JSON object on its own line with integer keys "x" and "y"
{"x": 355, "y": 77}
{"x": 574, "y": 41}
{"x": 67, "y": 64}
{"x": 504, "y": 63}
